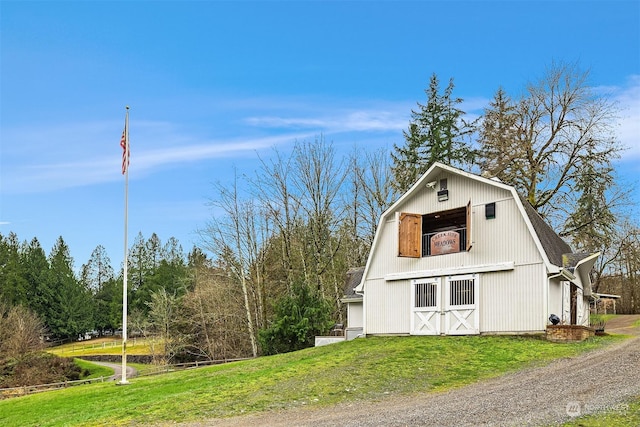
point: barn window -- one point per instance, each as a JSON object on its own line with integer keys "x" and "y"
{"x": 426, "y": 294}
{"x": 490, "y": 210}
{"x": 446, "y": 232}
{"x": 436, "y": 233}
{"x": 461, "y": 292}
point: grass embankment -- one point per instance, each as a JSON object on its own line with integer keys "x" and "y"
{"x": 362, "y": 369}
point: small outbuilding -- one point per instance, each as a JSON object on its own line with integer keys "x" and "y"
{"x": 463, "y": 254}
{"x": 604, "y": 303}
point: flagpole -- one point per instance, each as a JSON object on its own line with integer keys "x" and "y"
{"x": 125, "y": 166}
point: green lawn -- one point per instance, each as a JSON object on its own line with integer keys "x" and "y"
{"x": 363, "y": 369}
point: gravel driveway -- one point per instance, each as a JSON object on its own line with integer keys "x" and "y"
{"x": 117, "y": 370}
{"x": 595, "y": 381}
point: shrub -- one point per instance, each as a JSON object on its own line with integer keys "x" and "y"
{"x": 38, "y": 368}
{"x": 299, "y": 317}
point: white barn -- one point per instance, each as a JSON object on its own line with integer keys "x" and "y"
{"x": 462, "y": 254}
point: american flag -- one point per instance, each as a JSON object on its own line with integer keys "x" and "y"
{"x": 124, "y": 143}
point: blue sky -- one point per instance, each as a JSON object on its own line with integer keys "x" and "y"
{"x": 212, "y": 85}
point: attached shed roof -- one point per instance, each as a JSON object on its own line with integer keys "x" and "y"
{"x": 353, "y": 279}
{"x": 606, "y": 296}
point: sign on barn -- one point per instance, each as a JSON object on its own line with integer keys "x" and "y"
{"x": 446, "y": 242}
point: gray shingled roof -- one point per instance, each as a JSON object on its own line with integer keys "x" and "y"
{"x": 354, "y": 276}
{"x": 552, "y": 244}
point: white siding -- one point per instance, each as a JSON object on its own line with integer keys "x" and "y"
{"x": 582, "y": 316}
{"x": 513, "y": 301}
{"x": 354, "y": 315}
{"x": 585, "y": 312}
{"x": 555, "y": 298}
{"x": 388, "y": 307}
{"x": 510, "y": 301}
{"x": 566, "y": 303}
{"x": 505, "y": 238}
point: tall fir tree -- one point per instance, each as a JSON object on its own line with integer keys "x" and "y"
{"x": 591, "y": 222}
{"x": 13, "y": 286}
{"x": 438, "y": 132}
{"x": 138, "y": 272}
{"x": 70, "y": 312}
{"x": 498, "y": 137}
{"x": 97, "y": 276}
{"x": 38, "y": 276}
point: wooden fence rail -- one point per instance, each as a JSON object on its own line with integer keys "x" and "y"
{"x": 100, "y": 345}
{"x": 31, "y": 389}
{"x": 155, "y": 370}
{"x": 190, "y": 365}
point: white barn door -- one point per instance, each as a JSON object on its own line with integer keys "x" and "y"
{"x": 462, "y": 316}
{"x": 426, "y": 307}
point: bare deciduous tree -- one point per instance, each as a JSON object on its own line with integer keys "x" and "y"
{"x": 213, "y": 317}
{"x": 236, "y": 239}
{"x": 164, "y": 316}
{"x": 618, "y": 271}
{"x": 318, "y": 180}
{"x": 21, "y": 332}
{"x": 273, "y": 187}
{"x": 554, "y": 129}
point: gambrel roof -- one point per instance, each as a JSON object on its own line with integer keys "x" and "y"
{"x": 550, "y": 245}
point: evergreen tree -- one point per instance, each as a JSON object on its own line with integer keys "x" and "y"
{"x": 138, "y": 273}
{"x": 498, "y": 137}
{"x": 70, "y": 312}
{"x": 98, "y": 270}
{"x": 13, "y": 286}
{"x": 437, "y": 133}
{"x": 97, "y": 276}
{"x": 591, "y": 223}
{"x": 197, "y": 262}
{"x": 107, "y": 303}
{"x": 38, "y": 277}
{"x": 173, "y": 271}
{"x": 155, "y": 252}
{"x": 299, "y": 317}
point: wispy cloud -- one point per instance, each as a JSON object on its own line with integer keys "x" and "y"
{"x": 51, "y": 157}
{"x": 47, "y": 157}
{"x": 628, "y": 99}
{"x": 332, "y": 120}
{"x": 285, "y": 122}
{"x": 33, "y": 173}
